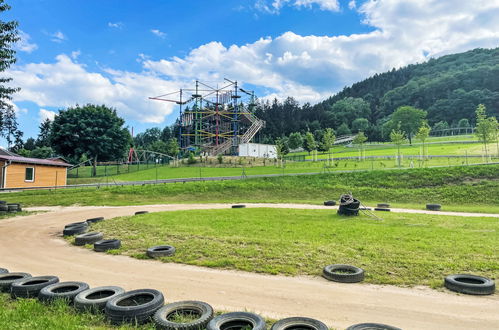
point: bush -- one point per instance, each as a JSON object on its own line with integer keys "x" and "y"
{"x": 220, "y": 159}
{"x": 191, "y": 160}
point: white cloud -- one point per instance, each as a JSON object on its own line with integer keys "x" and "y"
{"x": 275, "y": 6}
{"x": 58, "y": 37}
{"x": 44, "y": 114}
{"x": 308, "y": 68}
{"x": 75, "y": 54}
{"x": 352, "y": 4}
{"x": 158, "y": 33}
{"x": 117, "y": 25}
{"x": 24, "y": 44}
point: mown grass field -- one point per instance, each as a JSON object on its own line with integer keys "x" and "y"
{"x": 468, "y": 188}
{"x": 400, "y": 249}
{"x": 28, "y": 314}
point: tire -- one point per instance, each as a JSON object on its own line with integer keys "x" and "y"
{"x": 365, "y": 209}
{"x": 292, "y": 323}
{"x": 4, "y": 208}
{"x": 141, "y": 212}
{"x": 3, "y": 202}
{"x": 63, "y": 290}
{"x": 350, "y": 209}
{"x": 3, "y": 271}
{"x": 94, "y": 300}
{"x": 355, "y": 274}
{"x": 201, "y": 309}
{"x": 107, "y": 244}
{"x": 372, "y": 326}
{"x": 383, "y": 205}
{"x": 238, "y": 206}
{"x": 88, "y": 238}
{"x": 74, "y": 224}
{"x": 381, "y": 209}
{"x": 237, "y": 320}
{"x": 136, "y": 306}
{"x": 470, "y": 284}
{"x": 12, "y": 207}
{"x": 160, "y": 251}
{"x": 74, "y": 230}
{"x": 433, "y": 207}
{"x": 30, "y": 287}
{"x": 7, "y": 279}
{"x": 94, "y": 220}
{"x": 329, "y": 203}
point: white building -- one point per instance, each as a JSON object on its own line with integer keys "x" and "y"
{"x": 257, "y": 150}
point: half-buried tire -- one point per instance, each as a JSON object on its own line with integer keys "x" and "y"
{"x": 304, "y": 323}
{"x": 74, "y": 224}
{"x": 7, "y": 279}
{"x": 88, "y": 238}
{"x": 372, "y": 326}
{"x": 470, "y": 284}
{"x": 343, "y": 273}
{"x": 237, "y": 320}
{"x": 160, "y": 251}
{"x": 30, "y": 287}
{"x": 94, "y": 300}
{"x": 137, "y": 306}
{"x": 201, "y": 310}
{"x": 381, "y": 209}
{"x": 107, "y": 244}
{"x": 329, "y": 203}
{"x": 433, "y": 207}
{"x": 94, "y": 220}
{"x": 64, "y": 290}
{"x": 238, "y": 206}
{"x": 141, "y": 212}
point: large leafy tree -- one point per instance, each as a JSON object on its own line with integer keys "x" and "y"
{"x": 92, "y": 130}
{"x": 8, "y": 37}
{"x": 409, "y": 119}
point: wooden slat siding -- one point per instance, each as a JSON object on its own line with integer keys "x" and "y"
{"x": 44, "y": 176}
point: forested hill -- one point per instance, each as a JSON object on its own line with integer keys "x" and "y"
{"x": 449, "y": 88}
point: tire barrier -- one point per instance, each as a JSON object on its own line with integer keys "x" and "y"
{"x": 141, "y": 212}
{"x": 433, "y": 207}
{"x": 94, "y": 220}
{"x": 107, "y": 244}
{"x": 470, "y": 284}
{"x": 137, "y": 306}
{"x": 160, "y": 251}
{"x": 371, "y": 326}
{"x": 329, "y": 203}
{"x": 348, "y": 205}
{"x": 63, "y": 290}
{"x": 291, "y": 323}
{"x": 7, "y": 279}
{"x": 94, "y": 300}
{"x": 237, "y": 320}
{"x": 3, "y": 271}
{"x": 202, "y": 311}
{"x": 88, "y": 238}
{"x": 238, "y": 206}
{"x": 343, "y": 273}
{"x": 30, "y": 287}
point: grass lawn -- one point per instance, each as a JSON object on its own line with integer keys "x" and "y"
{"x": 31, "y": 314}
{"x": 470, "y": 188}
{"x": 401, "y": 249}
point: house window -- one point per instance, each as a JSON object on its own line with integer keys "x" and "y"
{"x": 29, "y": 174}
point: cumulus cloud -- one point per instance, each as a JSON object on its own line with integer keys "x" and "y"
{"x": 117, "y": 25}
{"x": 24, "y": 43}
{"x": 308, "y": 68}
{"x": 352, "y": 4}
{"x": 44, "y": 114}
{"x": 275, "y": 6}
{"x": 58, "y": 37}
{"x": 158, "y": 33}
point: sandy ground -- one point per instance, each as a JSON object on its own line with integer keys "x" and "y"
{"x": 33, "y": 244}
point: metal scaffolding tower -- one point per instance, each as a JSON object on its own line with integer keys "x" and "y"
{"x": 215, "y": 120}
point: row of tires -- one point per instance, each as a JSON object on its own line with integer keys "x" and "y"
{"x": 386, "y": 206}
{"x": 102, "y": 245}
{"x": 9, "y": 207}
{"x": 145, "y": 305}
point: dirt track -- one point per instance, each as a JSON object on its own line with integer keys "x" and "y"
{"x": 33, "y": 244}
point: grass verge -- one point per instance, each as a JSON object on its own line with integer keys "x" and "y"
{"x": 473, "y": 188}
{"x": 401, "y": 249}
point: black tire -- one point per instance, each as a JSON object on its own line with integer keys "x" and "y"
{"x": 372, "y": 326}
{"x": 470, "y": 284}
{"x": 94, "y": 300}
{"x": 3, "y": 271}
{"x": 198, "y": 308}
{"x": 238, "y": 206}
{"x": 141, "y": 212}
{"x": 3, "y": 202}
{"x": 88, "y": 238}
{"x": 4, "y": 208}
{"x": 107, "y": 244}
{"x": 383, "y": 205}
{"x": 329, "y": 203}
{"x": 94, "y": 220}
{"x": 7, "y": 279}
{"x": 12, "y": 207}
{"x": 381, "y": 209}
{"x": 343, "y": 273}
{"x": 160, "y": 251}
{"x": 433, "y": 207}
{"x": 30, "y": 287}
{"x": 63, "y": 290}
{"x": 237, "y": 320}
{"x": 349, "y": 209}
{"x": 136, "y": 306}
{"x": 365, "y": 209}
{"x": 75, "y": 230}
{"x": 74, "y": 224}
{"x": 295, "y": 323}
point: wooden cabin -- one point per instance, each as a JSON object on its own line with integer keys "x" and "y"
{"x": 23, "y": 172}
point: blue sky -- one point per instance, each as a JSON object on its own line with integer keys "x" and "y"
{"x": 120, "y": 52}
